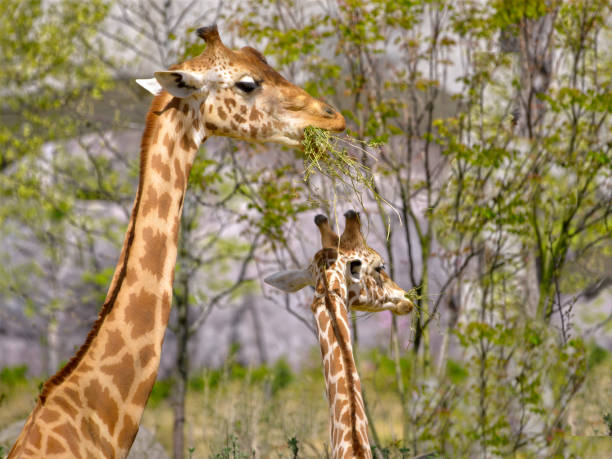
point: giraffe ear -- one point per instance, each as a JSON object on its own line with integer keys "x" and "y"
{"x": 354, "y": 270}
{"x": 291, "y": 280}
{"x": 180, "y": 83}
{"x": 150, "y": 84}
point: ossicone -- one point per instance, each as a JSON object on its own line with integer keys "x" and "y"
{"x": 351, "y": 215}
{"x": 351, "y": 237}
{"x": 329, "y": 239}
{"x": 210, "y": 34}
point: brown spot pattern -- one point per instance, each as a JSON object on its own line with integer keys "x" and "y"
{"x": 323, "y": 320}
{"x": 70, "y": 434}
{"x": 150, "y": 201}
{"x": 180, "y": 175}
{"x": 175, "y": 229}
{"x": 255, "y": 114}
{"x": 141, "y": 313}
{"x": 146, "y": 354}
{"x": 49, "y": 416}
{"x": 122, "y": 374}
{"x": 239, "y": 118}
{"x": 332, "y": 391}
{"x": 346, "y": 418}
{"x": 54, "y": 446}
{"x": 158, "y": 165}
{"x": 144, "y": 390}
{"x": 187, "y": 143}
{"x": 221, "y": 113}
{"x": 342, "y": 386}
{"x": 100, "y": 400}
{"x": 73, "y": 395}
{"x": 164, "y": 205}
{"x": 128, "y": 432}
{"x": 36, "y": 437}
{"x": 210, "y": 126}
{"x": 154, "y": 252}
{"x": 179, "y": 126}
{"x": 65, "y": 406}
{"x": 166, "y": 304}
{"x": 131, "y": 276}
{"x": 335, "y": 364}
{"x": 229, "y": 103}
{"x": 84, "y": 368}
{"x": 324, "y": 347}
{"x": 155, "y": 135}
{"x": 339, "y": 406}
{"x": 114, "y": 343}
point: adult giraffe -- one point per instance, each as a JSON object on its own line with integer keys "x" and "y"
{"x": 92, "y": 407}
{"x": 346, "y": 273}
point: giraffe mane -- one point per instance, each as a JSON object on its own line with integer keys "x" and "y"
{"x": 347, "y": 364}
{"x": 158, "y": 105}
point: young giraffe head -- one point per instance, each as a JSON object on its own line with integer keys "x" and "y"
{"x": 367, "y": 286}
{"x": 240, "y": 95}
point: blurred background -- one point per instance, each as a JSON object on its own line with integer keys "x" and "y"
{"x": 492, "y": 150}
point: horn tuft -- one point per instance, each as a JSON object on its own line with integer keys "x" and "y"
{"x": 209, "y": 34}
{"x": 320, "y": 219}
{"x": 351, "y": 214}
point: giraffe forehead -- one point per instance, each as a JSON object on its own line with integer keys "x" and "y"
{"x": 234, "y": 64}
{"x": 367, "y": 255}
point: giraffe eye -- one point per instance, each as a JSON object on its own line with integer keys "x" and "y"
{"x": 379, "y": 268}
{"x": 247, "y": 84}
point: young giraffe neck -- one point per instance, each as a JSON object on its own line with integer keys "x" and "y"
{"x": 348, "y": 422}
{"x": 94, "y": 404}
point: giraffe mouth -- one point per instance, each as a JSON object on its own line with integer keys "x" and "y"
{"x": 403, "y": 307}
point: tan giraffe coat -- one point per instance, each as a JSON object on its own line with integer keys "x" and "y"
{"x": 349, "y": 425}
{"x": 92, "y": 407}
{"x": 345, "y": 273}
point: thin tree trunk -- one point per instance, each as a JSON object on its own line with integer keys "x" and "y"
{"x": 52, "y": 346}
{"x": 182, "y": 375}
{"x": 258, "y": 330}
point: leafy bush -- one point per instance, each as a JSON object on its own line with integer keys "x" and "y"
{"x": 281, "y": 375}
{"x": 13, "y": 376}
{"x": 161, "y": 391}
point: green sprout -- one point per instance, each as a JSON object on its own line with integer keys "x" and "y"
{"x": 331, "y": 156}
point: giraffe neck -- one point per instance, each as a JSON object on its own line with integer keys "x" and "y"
{"x": 348, "y": 422}
{"x": 95, "y": 403}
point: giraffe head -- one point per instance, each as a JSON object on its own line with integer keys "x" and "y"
{"x": 240, "y": 95}
{"x": 360, "y": 270}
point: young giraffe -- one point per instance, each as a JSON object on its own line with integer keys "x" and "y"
{"x": 92, "y": 407}
{"x": 346, "y": 273}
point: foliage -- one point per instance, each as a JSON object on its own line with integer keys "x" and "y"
{"x": 46, "y": 47}
{"x": 293, "y": 445}
{"x": 53, "y": 76}
{"x": 161, "y": 391}
{"x": 608, "y": 420}
{"x": 485, "y": 125}
{"x": 502, "y": 189}
{"x": 232, "y": 450}
{"x": 13, "y": 376}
